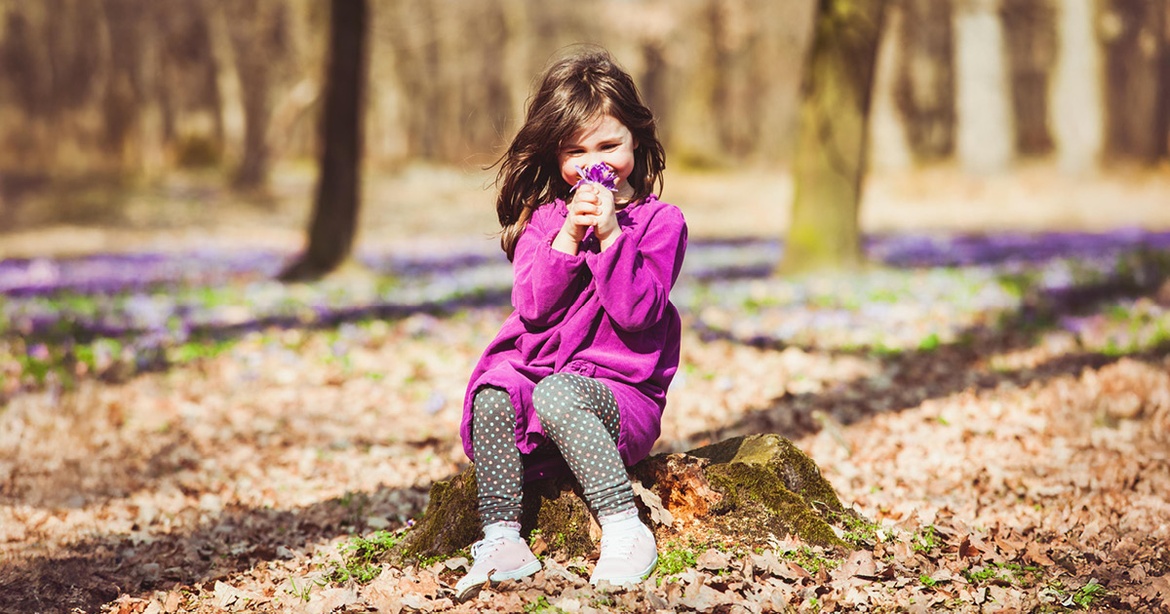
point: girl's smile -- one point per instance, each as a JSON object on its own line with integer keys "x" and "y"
{"x": 604, "y": 139}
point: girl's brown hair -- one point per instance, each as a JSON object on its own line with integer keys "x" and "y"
{"x": 573, "y": 91}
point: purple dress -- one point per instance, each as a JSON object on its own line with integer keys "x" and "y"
{"x": 605, "y": 315}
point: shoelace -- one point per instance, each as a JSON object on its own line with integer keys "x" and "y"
{"x": 618, "y": 546}
{"x": 486, "y": 546}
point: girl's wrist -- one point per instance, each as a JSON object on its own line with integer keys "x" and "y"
{"x": 566, "y": 241}
{"x": 610, "y": 238}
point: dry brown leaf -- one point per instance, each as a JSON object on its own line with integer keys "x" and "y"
{"x": 1009, "y": 546}
{"x": 171, "y": 602}
{"x": 129, "y": 605}
{"x": 711, "y": 560}
{"x": 658, "y": 512}
{"x": 766, "y": 562}
{"x": 860, "y": 564}
{"x": 1157, "y": 590}
{"x": 792, "y": 571}
{"x": 1038, "y": 553}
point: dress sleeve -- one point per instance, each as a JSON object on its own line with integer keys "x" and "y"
{"x": 546, "y": 281}
{"x": 634, "y": 276}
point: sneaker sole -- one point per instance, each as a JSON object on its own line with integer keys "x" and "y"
{"x": 518, "y": 573}
{"x": 463, "y": 591}
{"x": 628, "y": 580}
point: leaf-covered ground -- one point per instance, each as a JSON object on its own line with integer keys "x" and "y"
{"x": 179, "y": 434}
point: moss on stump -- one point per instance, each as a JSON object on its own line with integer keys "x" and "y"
{"x": 743, "y": 490}
{"x": 451, "y": 522}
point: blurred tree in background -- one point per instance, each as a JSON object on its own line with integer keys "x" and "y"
{"x": 338, "y": 195}
{"x": 157, "y": 86}
{"x": 135, "y": 89}
{"x": 834, "y": 118}
{"x": 260, "y": 45}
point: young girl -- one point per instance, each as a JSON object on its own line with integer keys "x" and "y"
{"x": 580, "y": 368}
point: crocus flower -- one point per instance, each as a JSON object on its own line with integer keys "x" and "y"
{"x": 599, "y": 173}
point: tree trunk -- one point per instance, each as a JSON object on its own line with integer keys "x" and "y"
{"x": 124, "y": 91}
{"x": 889, "y": 147}
{"x": 1136, "y": 92}
{"x": 1075, "y": 104}
{"x": 744, "y": 490}
{"x": 335, "y": 208}
{"x": 830, "y": 154}
{"x": 1030, "y": 33}
{"x": 258, "y": 32}
{"x": 187, "y": 100}
{"x": 1161, "y": 124}
{"x": 925, "y": 89}
{"x": 985, "y": 126}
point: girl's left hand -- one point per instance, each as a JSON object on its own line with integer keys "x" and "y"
{"x": 598, "y": 202}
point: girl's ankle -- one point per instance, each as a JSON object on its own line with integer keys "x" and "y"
{"x": 620, "y": 520}
{"x": 502, "y": 529}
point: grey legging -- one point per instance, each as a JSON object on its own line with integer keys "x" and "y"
{"x": 580, "y": 416}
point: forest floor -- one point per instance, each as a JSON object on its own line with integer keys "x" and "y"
{"x": 191, "y": 437}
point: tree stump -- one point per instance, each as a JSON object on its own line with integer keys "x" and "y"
{"x": 745, "y": 490}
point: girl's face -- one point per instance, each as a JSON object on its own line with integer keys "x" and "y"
{"x": 603, "y": 139}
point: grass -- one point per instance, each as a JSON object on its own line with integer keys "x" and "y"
{"x": 1009, "y": 573}
{"x": 858, "y": 531}
{"x": 676, "y": 558}
{"x": 302, "y": 592}
{"x": 813, "y": 560}
{"x": 541, "y": 606}
{"x": 1086, "y": 595}
{"x": 360, "y": 557}
{"x": 925, "y": 539}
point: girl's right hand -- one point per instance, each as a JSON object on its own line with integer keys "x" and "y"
{"x": 584, "y": 210}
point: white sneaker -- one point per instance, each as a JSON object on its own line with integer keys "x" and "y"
{"x": 501, "y": 555}
{"x": 628, "y": 552}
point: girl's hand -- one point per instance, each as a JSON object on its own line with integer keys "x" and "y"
{"x": 592, "y": 206}
{"x": 605, "y": 222}
{"x": 584, "y": 208}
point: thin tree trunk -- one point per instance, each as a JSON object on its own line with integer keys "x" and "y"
{"x": 1161, "y": 122}
{"x": 258, "y": 33}
{"x": 335, "y": 209}
{"x": 925, "y": 90}
{"x": 1075, "y": 104}
{"x": 830, "y": 155}
{"x": 1030, "y": 33}
{"x": 1134, "y": 34}
{"x": 889, "y": 146}
{"x": 985, "y": 124}
{"x": 124, "y": 90}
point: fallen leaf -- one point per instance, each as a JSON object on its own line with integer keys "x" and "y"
{"x": 658, "y": 512}
{"x": 860, "y": 564}
{"x": 712, "y": 560}
{"x": 1037, "y": 553}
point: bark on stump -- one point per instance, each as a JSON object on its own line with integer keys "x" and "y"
{"x": 744, "y": 490}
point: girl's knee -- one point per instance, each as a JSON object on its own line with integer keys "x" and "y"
{"x": 554, "y": 396}
{"x": 493, "y": 401}
{"x": 553, "y": 389}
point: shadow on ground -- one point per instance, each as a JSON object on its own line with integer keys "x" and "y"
{"x": 86, "y": 575}
{"x": 909, "y": 378}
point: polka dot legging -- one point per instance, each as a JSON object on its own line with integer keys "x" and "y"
{"x": 580, "y": 416}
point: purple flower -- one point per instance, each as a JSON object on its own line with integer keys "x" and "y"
{"x": 599, "y": 173}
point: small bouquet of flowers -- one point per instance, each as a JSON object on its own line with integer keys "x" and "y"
{"x": 599, "y": 173}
